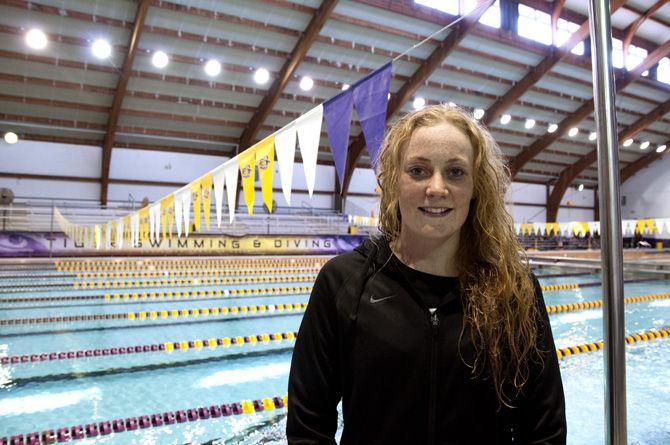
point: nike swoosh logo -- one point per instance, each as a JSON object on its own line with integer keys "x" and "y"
{"x": 374, "y": 300}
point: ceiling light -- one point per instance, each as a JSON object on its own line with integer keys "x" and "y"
{"x": 345, "y": 86}
{"x": 552, "y": 128}
{"x": 478, "y": 114}
{"x": 644, "y": 145}
{"x": 36, "y": 39}
{"x": 573, "y": 132}
{"x": 160, "y": 59}
{"x": 12, "y": 138}
{"x": 261, "y": 76}
{"x": 101, "y": 49}
{"x": 660, "y": 148}
{"x": 592, "y": 136}
{"x": 530, "y": 123}
{"x": 581, "y": 187}
{"x": 628, "y": 142}
{"x": 505, "y": 118}
{"x": 418, "y": 103}
{"x": 306, "y": 83}
{"x": 212, "y": 68}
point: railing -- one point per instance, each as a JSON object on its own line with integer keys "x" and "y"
{"x": 37, "y": 216}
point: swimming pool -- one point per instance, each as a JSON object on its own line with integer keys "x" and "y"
{"x": 86, "y": 378}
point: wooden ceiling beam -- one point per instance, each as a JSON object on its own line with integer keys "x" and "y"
{"x": 641, "y": 163}
{"x": 586, "y": 109}
{"x": 633, "y": 27}
{"x": 288, "y": 69}
{"x": 547, "y": 64}
{"x": 434, "y": 60}
{"x": 126, "y": 69}
{"x": 568, "y": 175}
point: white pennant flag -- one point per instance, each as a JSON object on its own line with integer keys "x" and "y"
{"x": 218, "y": 179}
{"x": 177, "y": 212}
{"x": 108, "y": 235}
{"x": 285, "y": 149}
{"x": 628, "y": 226}
{"x": 308, "y": 127}
{"x": 594, "y": 227}
{"x": 186, "y": 207}
{"x": 662, "y": 224}
{"x": 517, "y": 228}
{"x": 230, "y": 171}
{"x": 119, "y": 233}
{"x": 538, "y": 228}
{"x": 155, "y": 222}
{"x": 134, "y": 229}
{"x": 564, "y": 228}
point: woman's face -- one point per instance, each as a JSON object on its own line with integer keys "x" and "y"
{"x": 436, "y": 183}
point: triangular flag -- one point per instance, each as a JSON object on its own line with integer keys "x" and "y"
{"x": 219, "y": 179}
{"x": 594, "y": 227}
{"x": 144, "y": 224}
{"x": 337, "y": 113}
{"x": 119, "y": 234}
{"x": 185, "y": 194}
{"x": 167, "y": 210}
{"x": 247, "y": 164}
{"x": 155, "y": 221}
{"x": 230, "y": 170}
{"x": 108, "y": 235}
{"x": 195, "y": 197}
{"x": 134, "y": 229}
{"x": 371, "y": 101}
{"x": 206, "y": 193}
{"x": 178, "y": 218}
{"x": 97, "y": 234}
{"x": 308, "y": 127}
{"x": 285, "y": 148}
{"x": 127, "y": 230}
{"x": 265, "y": 160}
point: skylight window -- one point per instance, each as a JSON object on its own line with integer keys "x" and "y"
{"x": 663, "y": 71}
{"x": 635, "y": 56}
{"x": 617, "y": 53}
{"x": 564, "y": 30}
{"x": 463, "y": 7}
{"x": 534, "y": 24}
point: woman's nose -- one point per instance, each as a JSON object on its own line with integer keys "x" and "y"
{"x": 437, "y": 186}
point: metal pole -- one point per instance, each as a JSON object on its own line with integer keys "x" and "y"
{"x": 51, "y": 229}
{"x": 610, "y": 223}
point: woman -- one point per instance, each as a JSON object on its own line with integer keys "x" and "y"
{"x": 435, "y": 333}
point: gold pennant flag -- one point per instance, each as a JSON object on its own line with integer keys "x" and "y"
{"x": 167, "y": 214}
{"x": 247, "y": 164}
{"x": 195, "y": 198}
{"x": 265, "y": 155}
{"x": 144, "y": 224}
{"x": 126, "y": 229}
{"x": 206, "y": 192}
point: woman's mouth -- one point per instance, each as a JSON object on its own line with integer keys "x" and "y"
{"x": 435, "y": 211}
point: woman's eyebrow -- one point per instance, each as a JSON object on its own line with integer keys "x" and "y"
{"x": 424, "y": 159}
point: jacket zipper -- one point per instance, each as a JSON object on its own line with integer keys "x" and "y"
{"x": 432, "y": 396}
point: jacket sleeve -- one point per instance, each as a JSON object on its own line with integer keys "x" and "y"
{"x": 314, "y": 382}
{"x": 543, "y": 419}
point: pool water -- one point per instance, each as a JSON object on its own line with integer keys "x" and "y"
{"x": 41, "y": 395}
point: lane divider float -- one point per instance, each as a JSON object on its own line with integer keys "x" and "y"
{"x": 182, "y": 345}
{"x": 632, "y": 338}
{"x": 598, "y": 303}
{"x": 174, "y": 313}
{"x": 192, "y": 281}
{"x": 155, "y": 420}
{"x": 192, "y": 273}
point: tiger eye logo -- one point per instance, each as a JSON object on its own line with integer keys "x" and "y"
{"x": 263, "y": 163}
{"x": 246, "y": 171}
{"x": 205, "y": 193}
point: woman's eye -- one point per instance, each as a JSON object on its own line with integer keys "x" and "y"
{"x": 416, "y": 171}
{"x": 456, "y": 172}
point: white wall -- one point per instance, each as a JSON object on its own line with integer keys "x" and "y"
{"x": 648, "y": 192}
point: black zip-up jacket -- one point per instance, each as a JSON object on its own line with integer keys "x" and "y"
{"x": 399, "y": 370}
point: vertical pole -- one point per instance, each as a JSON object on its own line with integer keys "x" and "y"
{"x": 610, "y": 223}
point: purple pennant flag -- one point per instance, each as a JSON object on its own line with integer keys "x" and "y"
{"x": 337, "y": 114}
{"x": 371, "y": 101}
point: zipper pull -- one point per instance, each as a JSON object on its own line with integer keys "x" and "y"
{"x": 435, "y": 322}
